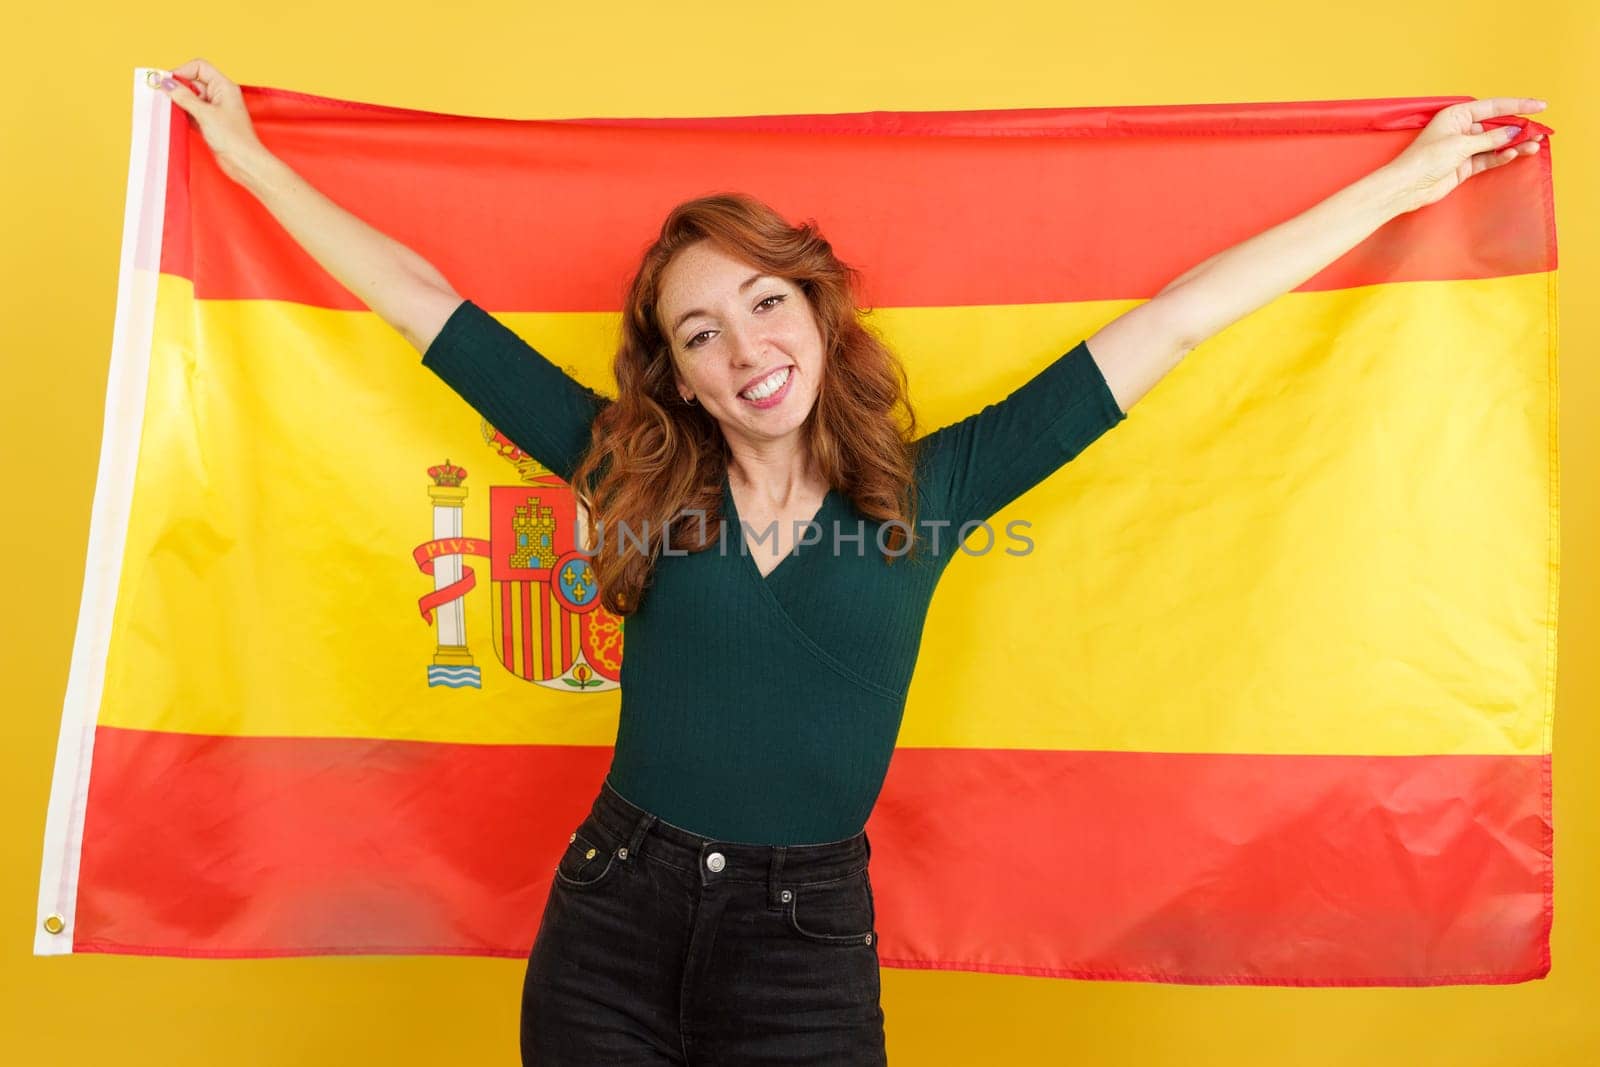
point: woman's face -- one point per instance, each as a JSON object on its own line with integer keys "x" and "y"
{"x": 745, "y": 345}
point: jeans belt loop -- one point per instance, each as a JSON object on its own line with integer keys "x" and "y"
{"x": 775, "y": 875}
{"x": 640, "y": 828}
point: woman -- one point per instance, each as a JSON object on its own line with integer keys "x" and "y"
{"x": 715, "y": 904}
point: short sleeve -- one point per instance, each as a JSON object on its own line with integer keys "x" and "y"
{"x": 971, "y": 469}
{"x": 542, "y": 409}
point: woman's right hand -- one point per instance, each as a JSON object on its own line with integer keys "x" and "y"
{"x": 220, "y": 113}
{"x": 404, "y": 289}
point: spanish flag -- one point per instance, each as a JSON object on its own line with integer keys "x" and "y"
{"x": 1269, "y": 701}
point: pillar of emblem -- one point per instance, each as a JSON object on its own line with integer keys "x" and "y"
{"x": 449, "y": 498}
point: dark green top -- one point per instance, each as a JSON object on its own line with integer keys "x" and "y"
{"x": 765, "y": 710}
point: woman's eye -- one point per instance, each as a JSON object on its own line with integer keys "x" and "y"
{"x": 694, "y": 341}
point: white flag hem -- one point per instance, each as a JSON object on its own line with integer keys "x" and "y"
{"x": 139, "y": 271}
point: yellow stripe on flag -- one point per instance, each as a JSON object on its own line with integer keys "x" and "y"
{"x": 1258, "y": 570}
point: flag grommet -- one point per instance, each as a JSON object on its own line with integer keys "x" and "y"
{"x": 54, "y": 924}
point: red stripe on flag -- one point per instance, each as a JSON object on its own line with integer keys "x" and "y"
{"x": 277, "y": 846}
{"x": 1309, "y": 870}
{"x": 1221, "y": 869}
{"x": 976, "y": 213}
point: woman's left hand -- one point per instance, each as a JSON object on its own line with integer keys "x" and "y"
{"x": 1455, "y": 145}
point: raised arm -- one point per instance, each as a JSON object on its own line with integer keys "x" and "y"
{"x": 404, "y": 289}
{"x": 1137, "y": 349}
{"x": 976, "y": 466}
{"x": 542, "y": 409}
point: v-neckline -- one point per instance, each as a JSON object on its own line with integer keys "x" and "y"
{"x": 731, "y": 515}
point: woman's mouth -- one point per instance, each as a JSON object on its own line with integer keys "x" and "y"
{"x": 769, "y": 391}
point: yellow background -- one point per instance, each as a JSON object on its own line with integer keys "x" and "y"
{"x": 66, "y": 123}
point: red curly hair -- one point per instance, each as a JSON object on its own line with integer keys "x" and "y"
{"x": 652, "y": 458}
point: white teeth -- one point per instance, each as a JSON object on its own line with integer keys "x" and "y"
{"x": 767, "y": 386}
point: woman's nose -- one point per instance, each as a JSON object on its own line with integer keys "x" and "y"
{"x": 746, "y": 346}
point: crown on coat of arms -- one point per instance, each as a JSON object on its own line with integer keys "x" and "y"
{"x": 529, "y": 469}
{"x": 448, "y": 474}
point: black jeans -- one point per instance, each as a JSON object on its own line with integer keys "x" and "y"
{"x": 659, "y": 946}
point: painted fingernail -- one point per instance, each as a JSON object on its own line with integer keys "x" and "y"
{"x": 168, "y": 83}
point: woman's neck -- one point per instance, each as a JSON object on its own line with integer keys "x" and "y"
{"x": 775, "y": 477}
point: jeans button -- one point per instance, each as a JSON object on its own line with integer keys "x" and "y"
{"x": 716, "y": 861}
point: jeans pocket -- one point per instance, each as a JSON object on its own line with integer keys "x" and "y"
{"x": 589, "y": 858}
{"x": 837, "y": 912}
